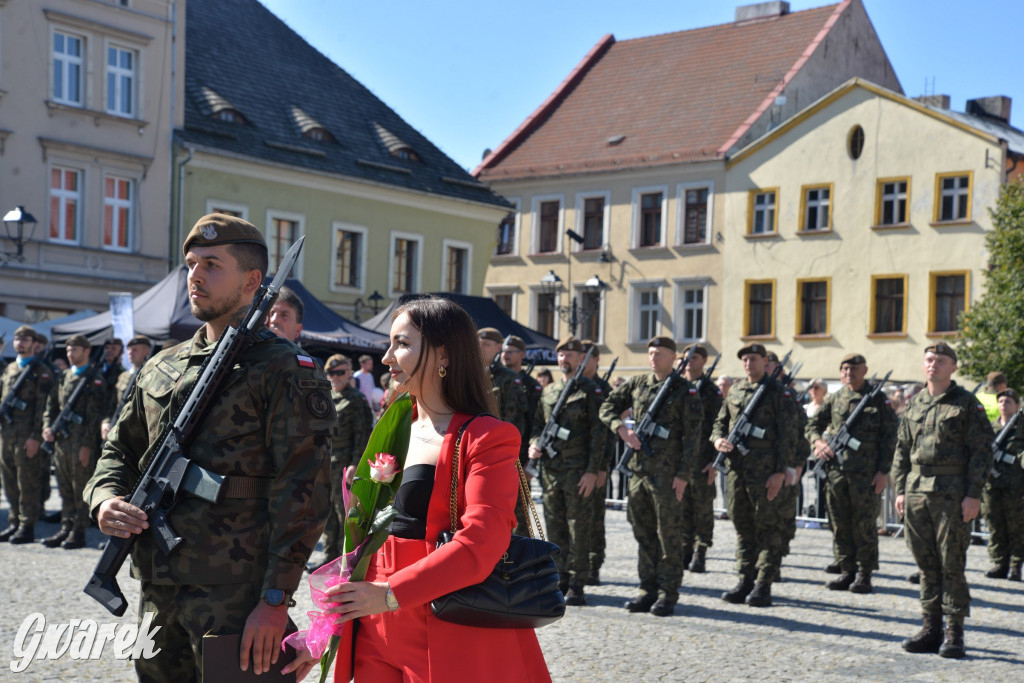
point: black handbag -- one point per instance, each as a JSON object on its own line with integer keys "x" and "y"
{"x": 522, "y": 590}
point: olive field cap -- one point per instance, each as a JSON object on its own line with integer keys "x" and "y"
{"x": 491, "y": 334}
{"x": 218, "y": 228}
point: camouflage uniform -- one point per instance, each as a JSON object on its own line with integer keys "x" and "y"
{"x": 699, "y": 497}
{"x": 758, "y": 521}
{"x": 597, "y": 539}
{"x": 943, "y": 453}
{"x": 852, "y": 501}
{"x": 567, "y": 514}
{"x": 653, "y": 511}
{"x": 22, "y": 475}
{"x": 1002, "y": 502}
{"x": 271, "y": 427}
{"x": 112, "y": 374}
{"x": 531, "y": 390}
{"x": 355, "y": 420}
{"x": 508, "y": 394}
{"x": 72, "y": 476}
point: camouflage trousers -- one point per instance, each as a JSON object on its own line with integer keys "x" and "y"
{"x": 657, "y": 521}
{"x": 185, "y": 614}
{"x": 22, "y": 480}
{"x": 568, "y": 520}
{"x": 1004, "y": 517}
{"x": 333, "y": 536}
{"x": 852, "y": 514}
{"x": 72, "y": 477}
{"x": 698, "y": 513}
{"x": 597, "y": 540}
{"x": 938, "y": 538}
{"x": 789, "y": 498}
{"x": 758, "y": 522}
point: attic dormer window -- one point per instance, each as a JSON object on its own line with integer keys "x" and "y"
{"x": 405, "y": 154}
{"x": 395, "y": 146}
{"x": 310, "y": 128}
{"x": 228, "y": 116}
{"x": 318, "y": 135}
{"x": 217, "y": 107}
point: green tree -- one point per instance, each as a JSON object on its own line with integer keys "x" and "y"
{"x": 992, "y": 331}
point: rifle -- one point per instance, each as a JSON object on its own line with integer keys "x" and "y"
{"x": 744, "y": 428}
{"x": 611, "y": 369}
{"x": 67, "y": 413}
{"x": 788, "y": 377}
{"x": 707, "y": 374}
{"x": 843, "y": 439}
{"x": 999, "y": 453}
{"x": 552, "y": 430}
{"x": 170, "y": 474}
{"x": 11, "y": 401}
{"x": 647, "y": 427}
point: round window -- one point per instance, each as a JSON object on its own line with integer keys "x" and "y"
{"x": 855, "y": 142}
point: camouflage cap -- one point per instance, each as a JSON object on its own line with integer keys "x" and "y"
{"x": 752, "y": 348}
{"x": 219, "y": 228}
{"x": 852, "y": 359}
{"x": 665, "y": 342}
{"x": 517, "y": 342}
{"x": 588, "y": 344}
{"x": 698, "y": 350}
{"x": 1011, "y": 393}
{"x": 26, "y": 331}
{"x": 79, "y": 340}
{"x": 490, "y": 333}
{"x": 140, "y": 339}
{"x": 942, "y": 349}
{"x": 569, "y": 344}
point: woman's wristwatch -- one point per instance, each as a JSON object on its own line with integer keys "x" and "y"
{"x": 391, "y": 600}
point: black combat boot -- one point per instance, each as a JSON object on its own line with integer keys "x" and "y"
{"x": 953, "y": 645}
{"x": 997, "y": 571}
{"x": 1014, "y": 574}
{"x": 575, "y": 596}
{"x": 594, "y": 579}
{"x": 697, "y": 565}
{"x": 862, "y": 584}
{"x": 641, "y": 604}
{"x": 834, "y": 568}
{"x": 761, "y": 596}
{"x": 929, "y": 638}
{"x": 844, "y": 581}
{"x": 57, "y": 538}
{"x": 6, "y": 534}
{"x": 915, "y": 577}
{"x": 740, "y": 591}
{"x": 663, "y": 608}
{"x": 75, "y": 541}
{"x": 26, "y": 534}
{"x": 687, "y": 555}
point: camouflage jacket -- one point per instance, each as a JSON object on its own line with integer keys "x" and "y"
{"x": 681, "y": 414}
{"x": 355, "y": 420}
{"x": 1011, "y": 474}
{"x": 27, "y": 422}
{"x": 273, "y": 420}
{"x": 508, "y": 395}
{"x": 584, "y": 449}
{"x": 775, "y": 414}
{"x": 531, "y": 390}
{"x": 949, "y": 432}
{"x": 604, "y": 390}
{"x": 91, "y": 408}
{"x": 875, "y": 428}
{"x": 711, "y": 400}
{"x": 124, "y": 381}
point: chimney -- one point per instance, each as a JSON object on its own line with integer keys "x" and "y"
{"x": 762, "y": 10}
{"x": 997, "y": 107}
{"x": 937, "y": 101}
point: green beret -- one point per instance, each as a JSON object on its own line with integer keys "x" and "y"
{"x": 1011, "y": 393}
{"x": 113, "y": 341}
{"x": 752, "y": 348}
{"x": 666, "y": 342}
{"x": 569, "y": 344}
{"x": 490, "y": 333}
{"x": 698, "y": 350}
{"x": 588, "y": 344}
{"x": 942, "y": 349}
{"x": 770, "y": 355}
{"x": 140, "y": 339}
{"x": 852, "y": 359}
{"x": 513, "y": 340}
{"x": 219, "y": 228}
{"x": 79, "y": 340}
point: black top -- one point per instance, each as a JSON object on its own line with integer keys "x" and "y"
{"x": 412, "y": 501}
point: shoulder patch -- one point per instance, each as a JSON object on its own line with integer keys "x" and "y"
{"x": 693, "y": 391}
{"x": 304, "y": 361}
{"x": 318, "y": 404}
{"x": 517, "y": 380}
{"x": 98, "y": 381}
{"x": 314, "y": 384}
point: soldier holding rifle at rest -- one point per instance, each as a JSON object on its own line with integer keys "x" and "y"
{"x": 513, "y": 351}
{"x": 597, "y": 538}
{"x": 699, "y": 497}
{"x": 1002, "y": 499}
{"x": 139, "y": 348}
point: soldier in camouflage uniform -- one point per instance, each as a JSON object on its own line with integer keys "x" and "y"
{"x": 943, "y": 456}
{"x": 790, "y": 495}
{"x": 508, "y": 393}
{"x": 1002, "y": 499}
{"x": 855, "y": 487}
{"x": 139, "y": 348}
{"x": 76, "y": 455}
{"x": 269, "y": 431}
{"x": 512, "y": 352}
{"x": 569, "y": 478}
{"x": 659, "y": 480}
{"x": 755, "y": 479}
{"x": 597, "y": 539}
{"x": 699, "y": 497}
{"x": 21, "y": 458}
{"x": 111, "y": 370}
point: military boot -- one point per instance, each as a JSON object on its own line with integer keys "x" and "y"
{"x": 862, "y": 584}
{"x": 594, "y": 579}
{"x": 834, "y": 568}
{"x": 641, "y": 604}
{"x": 6, "y": 534}
{"x": 1014, "y": 574}
{"x": 697, "y": 565}
{"x": 953, "y": 645}
{"x": 26, "y": 534}
{"x": 761, "y": 596}
{"x": 842, "y": 583}
{"x": 57, "y": 538}
{"x": 687, "y": 555}
{"x": 929, "y": 638}
{"x": 663, "y": 608}
{"x": 915, "y": 577}
{"x": 575, "y": 596}
{"x": 75, "y": 541}
{"x": 997, "y": 571}
{"x": 740, "y": 591}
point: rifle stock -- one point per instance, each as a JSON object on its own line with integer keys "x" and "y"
{"x": 843, "y": 439}
{"x": 11, "y": 401}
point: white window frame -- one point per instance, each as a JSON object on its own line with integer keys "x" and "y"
{"x": 535, "y": 203}
{"x": 116, "y": 204}
{"x": 896, "y": 197}
{"x": 513, "y": 290}
{"x": 62, "y": 195}
{"x": 680, "y": 286}
{"x": 467, "y": 276}
{"x": 818, "y": 204}
{"x": 681, "y": 189}
{"x": 214, "y": 204}
{"x": 418, "y": 275}
{"x": 581, "y": 202}
{"x": 337, "y": 227}
{"x": 535, "y": 292}
{"x": 770, "y": 225}
{"x": 298, "y": 218}
{"x": 638, "y": 193}
{"x": 635, "y": 288}
{"x": 65, "y": 61}
{"x": 516, "y": 226}
{"x": 119, "y": 73}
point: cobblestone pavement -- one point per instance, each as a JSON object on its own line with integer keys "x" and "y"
{"x": 809, "y": 634}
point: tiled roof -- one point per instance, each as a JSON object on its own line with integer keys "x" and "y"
{"x": 664, "y": 99}
{"x": 279, "y": 84}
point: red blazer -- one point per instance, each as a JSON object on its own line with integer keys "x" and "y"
{"x": 486, "y": 508}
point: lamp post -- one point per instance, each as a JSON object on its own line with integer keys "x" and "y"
{"x": 574, "y": 313}
{"x": 14, "y": 225}
{"x": 375, "y": 300}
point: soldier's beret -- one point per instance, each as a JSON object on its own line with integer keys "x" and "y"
{"x": 337, "y": 359}
{"x": 852, "y": 359}
{"x": 665, "y": 342}
{"x": 942, "y": 349}
{"x": 79, "y": 340}
{"x": 26, "y": 331}
{"x": 569, "y": 344}
{"x": 587, "y": 344}
{"x": 140, "y": 339}
{"x": 113, "y": 341}
{"x": 698, "y": 350}
{"x": 770, "y": 355}
{"x": 1011, "y": 393}
{"x": 752, "y": 348}
{"x": 491, "y": 334}
{"x": 219, "y": 228}
{"x": 513, "y": 340}
{"x": 995, "y": 377}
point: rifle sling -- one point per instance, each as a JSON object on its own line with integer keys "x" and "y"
{"x": 247, "y": 487}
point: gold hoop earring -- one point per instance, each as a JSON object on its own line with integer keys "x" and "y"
{"x": 441, "y": 371}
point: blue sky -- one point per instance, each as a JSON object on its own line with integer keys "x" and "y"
{"x": 466, "y": 73}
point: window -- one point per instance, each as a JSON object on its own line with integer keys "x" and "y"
{"x": 406, "y": 261}
{"x": 593, "y": 223}
{"x": 694, "y": 213}
{"x": 455, "y": 271}
{"x": 590, "y": 324}
{"x": 227, "y": 208}
{"x": 855, "y": 142}
{"x": 349, "y": 265}
{"x": 65, "y": 204}
{"x": 646, "y": 313}
{"x": 953, "y": 197}
{"x": 547, "y": 216}
{"x": 949, "y": 300}
{"x": 118, "y": 212}
{"x": 691, "y": 310}
{"x": 283, "y": 234}
{"x": 762, "y": 212}
{"x": 505, "y": 303}
{"x": 892, "y": 201}
{"x": 760, "y": 308}
{"x": 816, "y": 214}
{"x": 889, "y": 308}
{"x": 121, "y": 65}
{"x": 67, "y": 69}
{"x": 507, "y": 234}
{"x": 650, "y": 219}
{"x": 813, "y": 307}
{"x": 544, "y": 313}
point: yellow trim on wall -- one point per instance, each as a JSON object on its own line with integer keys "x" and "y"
{"x": 939, "y": 177}
{"x": 803, "y": 207}
{"x": 747, "y": 284}
{"x": 878, "y": 201}
{"x": 751, "y": 194}
{"x": 800, "y": 334}
{"x": 906, "y": 301}
{"x": 932, "y": 277}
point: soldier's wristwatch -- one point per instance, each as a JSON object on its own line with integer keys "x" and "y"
{"x": 275, "y": 597}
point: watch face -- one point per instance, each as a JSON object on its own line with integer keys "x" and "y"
{"x": 274, "y": 596}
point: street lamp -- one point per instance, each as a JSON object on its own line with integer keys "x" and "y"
{"x": 375, "y": 300}
{"x": 574, "y": 314}
{"x": 14, "y": 222}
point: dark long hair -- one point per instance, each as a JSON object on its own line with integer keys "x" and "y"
{"x": 443, "y": 322}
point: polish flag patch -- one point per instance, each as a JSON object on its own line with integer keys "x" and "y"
{"x": 305, "y": 361}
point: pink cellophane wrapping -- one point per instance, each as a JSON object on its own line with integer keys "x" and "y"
{"x": 321, "y": 625}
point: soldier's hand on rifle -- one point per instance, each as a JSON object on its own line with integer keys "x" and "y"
{"x": 774, "y": 484}
{"x": 587, "y": 483}
{"x": 880, "y": 481}
{"x": 83, "y": 455}
{"x": 710, "y": 470}
{"x": 822, "y": 451}
{"x": 535, "y": 452}
{"x": 970, "y": 506}
{"x": 117, "y": 517}
{"x": 629, "y": 437}
{"x": 31, "y": 447}
{"x": 723, "y": 445}
{"x": 679, "y": 486}
{"x": 48, "y": 435}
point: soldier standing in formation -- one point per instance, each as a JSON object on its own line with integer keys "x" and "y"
{"x": 139, "y": 348}
{"x": 269, "y": 430}
{"x": 598, "y": 542}
{"x": 855, "y": 487}
{"x": 790, "y": 495}
{"x": 1002, "y": 499}
{"x": 512, "y": 353}
{"x": 755, "y": 479}
{"x": 568, "y": 479}
{"x": 76, "y": 455}
{"x": 659, "y": 478}
{"x": 699, "y": 497}
{"x": 504, "y": 383}
{"x": 943, "y": 456}
{"x": 21, "y": 434}
{"x": 111, "y": 368}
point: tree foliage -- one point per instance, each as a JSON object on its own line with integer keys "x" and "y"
{"x": 992, "y": 331}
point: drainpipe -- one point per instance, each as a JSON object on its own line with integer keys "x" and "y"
{"x": 176, "y": 234}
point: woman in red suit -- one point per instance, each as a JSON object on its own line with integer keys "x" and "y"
{"x": 434, "y": 355}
